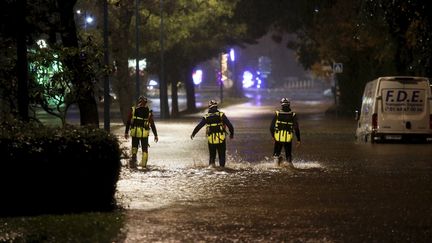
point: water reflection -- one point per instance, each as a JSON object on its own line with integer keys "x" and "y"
{"x": 160, "y": 186}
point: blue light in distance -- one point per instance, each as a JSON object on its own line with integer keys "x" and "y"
{"x": 232, "y": 55}
{"x": 197, "y": 76}
{"x": 247, "y": 79}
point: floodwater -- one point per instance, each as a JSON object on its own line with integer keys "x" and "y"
{"x": 339, "y": 190}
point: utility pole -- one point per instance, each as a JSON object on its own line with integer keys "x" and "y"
{"x": 163, "y": 87}
{"x": 137, "y": 71}
{"x": 107, "y": 98}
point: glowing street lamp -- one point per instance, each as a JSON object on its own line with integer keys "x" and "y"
{"x": 88, "y": 19}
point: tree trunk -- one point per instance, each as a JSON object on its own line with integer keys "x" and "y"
{"x": 163, "y": 95}
{"x": 86, "y": 100}
{"x": 122, "y": 82}
{"x": 22, "y": 62}
{"x": 174, "y": 97}
{"x": 123, "y": 86}
{"x": 190, "y": 89}
{"x": 238, "y": 84}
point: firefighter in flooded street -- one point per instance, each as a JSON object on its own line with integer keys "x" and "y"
{"x": 140, "y": 121}
{"x": 216, "y": 123}
{"x": 282, "y": 127}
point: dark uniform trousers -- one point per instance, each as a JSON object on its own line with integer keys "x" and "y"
{"x": 220, "y": 149}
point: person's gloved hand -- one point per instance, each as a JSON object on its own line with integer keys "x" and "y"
{"x": 231, "y": 136}
{"x": 156, "y": 139}
{"x": 126, "y": 136}
{"x": 191, "y": 136}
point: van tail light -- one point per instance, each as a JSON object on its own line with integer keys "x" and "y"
{"x": 375, "y": 121}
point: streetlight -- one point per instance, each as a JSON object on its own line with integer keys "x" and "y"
{"x": 88, "y": 19}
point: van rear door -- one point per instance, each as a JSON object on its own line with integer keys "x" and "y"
{"x": 404, "y": 106}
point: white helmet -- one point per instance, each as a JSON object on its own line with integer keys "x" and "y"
{"x": 285, "y": 102}
{"x": 142, "y": 99}
{"x": 212, "y": 103}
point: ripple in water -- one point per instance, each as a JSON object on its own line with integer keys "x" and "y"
{"x": 168, "y": 183}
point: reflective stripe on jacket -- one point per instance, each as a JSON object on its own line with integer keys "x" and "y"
{"x": 140, "y": 127}
{"x": 284, "y": 127}
{"x": 215, "y": 128}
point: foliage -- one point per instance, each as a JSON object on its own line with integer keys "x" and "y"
{"x": 193, "y": 31}
{"x": 60, "y": 170}
{"x": 52, "y": 21}
{"x": 198, "y": 30}
{"x": 51, "y": 85}
{"x": 409, "y": 25}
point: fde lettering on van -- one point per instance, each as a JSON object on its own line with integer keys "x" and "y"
{"x": 403, "y": 100}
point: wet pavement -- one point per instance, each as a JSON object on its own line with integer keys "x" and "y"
{"x": 339, "y": 190}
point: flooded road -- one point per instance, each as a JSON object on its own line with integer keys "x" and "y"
{"x": 339, "y": 190}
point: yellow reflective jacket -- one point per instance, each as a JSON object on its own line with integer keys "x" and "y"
{"x": 215, "y": 128}
{"x": 283, "y": 131}
{"x": 140, "y": 126}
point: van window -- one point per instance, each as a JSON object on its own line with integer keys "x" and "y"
{"x": 367, "y": 100}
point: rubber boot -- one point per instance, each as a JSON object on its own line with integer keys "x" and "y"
{"x": 144, "y": 160}
{"x": 212, "y": 163}
{"x": 133, "y": 160}
{"x": 289, "y": 162}
{"x": 277, "y": 160}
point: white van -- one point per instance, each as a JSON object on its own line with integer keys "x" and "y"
{"x": 396, "y": 109}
